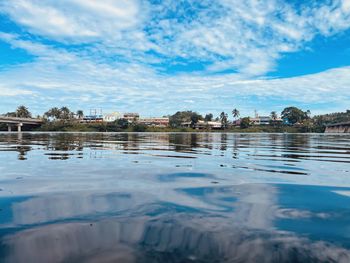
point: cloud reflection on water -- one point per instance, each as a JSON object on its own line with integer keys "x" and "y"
{"x": 174, "y": 198}
{"x": 237, "y": 225}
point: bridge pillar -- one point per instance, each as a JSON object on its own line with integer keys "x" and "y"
{"x": 9, "y": 128}
{"x": 19, "y": 127}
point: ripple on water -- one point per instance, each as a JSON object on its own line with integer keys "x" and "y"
{"x": 202, "y": 197}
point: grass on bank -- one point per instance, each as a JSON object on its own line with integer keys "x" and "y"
{"x": 67, "y": 126}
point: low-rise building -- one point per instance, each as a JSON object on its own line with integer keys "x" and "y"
{"x": 111, "y": 117}
{"x": 260, "y": 120}
{"x": 155, "y": 122}
{"x": 131, "y": 116}
{"x": 208, "y": 125}
{"x": 186, "y": 124}
{"x": 236, "y": 123}
{"x": 93, "y": 118}
{"x": 264, "y": 120}
{"x": 202, "y": 125}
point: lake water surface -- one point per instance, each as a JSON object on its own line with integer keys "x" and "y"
{"x": 174, "y": 197}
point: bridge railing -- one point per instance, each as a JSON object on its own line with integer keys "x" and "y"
{"x": 18, "y": 119}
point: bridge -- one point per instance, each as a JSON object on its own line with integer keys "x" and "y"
{"x": 342, "y": 127}
{"x": 19, "y": 122}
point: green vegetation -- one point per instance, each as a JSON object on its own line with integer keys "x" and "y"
{"x": 235, "y": 113}
{"x": 294, "y": 120}
{"x": 224, "y": 120}
{"x": 21, "y": 112}
{"x": 294, "y": 115}
{"x": 332, "y": 118}
{"x": 208, "y": 117}
{"x": 180, "y": 117}
{"x": 245, "y": 123}
{"x": 63, "y": 113}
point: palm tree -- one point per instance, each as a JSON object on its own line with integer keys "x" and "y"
{"x": 65, "y": 113}
{"x": 71, "y": 115}
{"x": 273, "y": 115}
{"x": 23, "y": 112}
{"x": 235, "y": 113}
{"x": 308, "y": 114}
{"x": 80, "y": 114}
{"x": 54, "y": 113}
{"x": 223, "y": 118}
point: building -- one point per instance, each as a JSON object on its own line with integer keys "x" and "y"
{"x": 186, "y": 124}
{"x": 93, "y": 118}
{"x": 236, "y": 122}
{"x": 155, "y": 122}
{"x": 208, "y": 125}
{"x": 263, "y": 120}
{"x": 131, "y": 116}
{"x": 203, "y": 125}
{"x": 260, "y": 120}
{"x": 111, "y": 117}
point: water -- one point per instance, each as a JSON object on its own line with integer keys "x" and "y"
{"x": 174, "y": 197}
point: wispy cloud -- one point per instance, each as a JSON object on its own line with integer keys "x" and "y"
{"x": 74, "y": 20}
{"x": 110, "y": 52}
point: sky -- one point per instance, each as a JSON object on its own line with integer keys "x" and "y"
{"x": 156, "y": 57}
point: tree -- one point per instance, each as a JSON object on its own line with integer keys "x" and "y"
{"x": 308, "y": 114}
{"x": 223, "y": 119}
{"x": 273, "y": 115}
{"x": 208, "y": 117}
{"x": 23, "y": 112}
{"x": 184, "y": 116}
{"x": 65, "y": 113}
{"x": 235, "y": 113}
{"x": 11, "y": 114}
{"x": 139, "y": 128}
{"x": 245, "y": 123}
{"x": 53, "y": 113}
{"x": 80, "y": 114}
{"x": 122, "y": 123}
{"x": 293, "y": 115}
{"x": 195, "y": 117}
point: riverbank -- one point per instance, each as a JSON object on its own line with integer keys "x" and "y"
{"x": 113, "y": 127}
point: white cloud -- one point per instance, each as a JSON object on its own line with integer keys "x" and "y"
{"x": 75, "y": 20}
{"x": 11, "y": 92}
{"x": 76, "y": 79}
{"x": 114, "y": 63}
{"x": 247, "y": 36}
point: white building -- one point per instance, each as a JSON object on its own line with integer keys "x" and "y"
{"x": 156, "y": 122}
{"x": 260, "y": 120}
{"x": 203, "y": 124}
{"x": 264, "y": 120}
{"x": 111, "y": 117}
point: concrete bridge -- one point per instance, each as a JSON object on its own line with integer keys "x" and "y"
{"x": 19, "y": 122}
{"x": 342, "y": 127}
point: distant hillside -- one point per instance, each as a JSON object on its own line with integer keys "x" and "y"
{"x": 333, "y": 117}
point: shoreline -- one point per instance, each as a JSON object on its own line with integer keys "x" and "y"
{"x": 164, "y": 132}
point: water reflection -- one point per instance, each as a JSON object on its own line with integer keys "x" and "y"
{"x": 211, "y": 197}
{"x": 238, "y": 224}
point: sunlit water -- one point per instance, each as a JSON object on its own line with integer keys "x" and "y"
{"x": 174, "y": 197}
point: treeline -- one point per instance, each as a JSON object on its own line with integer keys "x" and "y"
{"x": 290, "y": 116}
{"x": 330, "y": 118}
{"x": 63, "y": 113}
{"x": 291, "y": 119}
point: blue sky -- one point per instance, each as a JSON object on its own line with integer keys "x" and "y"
{"x": 156, "y": 57}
